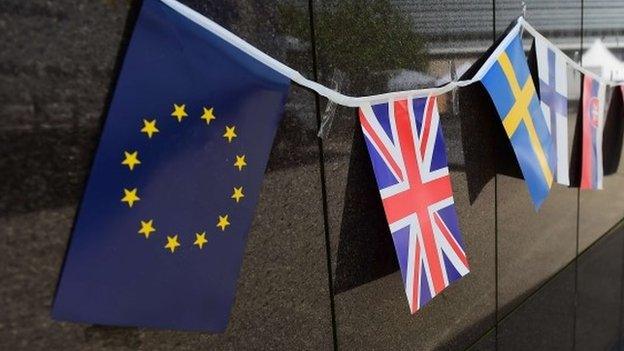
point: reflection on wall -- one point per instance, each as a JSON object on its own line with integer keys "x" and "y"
{"x": 380, "y": 37}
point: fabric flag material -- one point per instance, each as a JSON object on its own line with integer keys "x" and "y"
{"x": 553, "y": 91}
{"x": 161, "y": 230}
{"x": 406, "y": 147}
{"x": 509, "y": 84}
{"x": 593, "y": 124}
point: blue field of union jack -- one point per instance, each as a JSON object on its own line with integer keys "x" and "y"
{"x": 407, "y": 151}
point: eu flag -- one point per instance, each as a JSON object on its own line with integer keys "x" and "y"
{"x": 511, "y": 88}
{"x": 160, "y": 233}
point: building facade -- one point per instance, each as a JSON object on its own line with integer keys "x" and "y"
{"x": 319, "y": 271}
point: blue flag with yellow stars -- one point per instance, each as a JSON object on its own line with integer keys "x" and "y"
{"x": 160, "y": 233}
{"x": 511, "y": 88}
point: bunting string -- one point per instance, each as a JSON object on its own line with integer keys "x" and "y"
{"x": 356, "y": 101}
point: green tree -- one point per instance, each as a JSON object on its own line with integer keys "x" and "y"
{"x": 365, "y": 39}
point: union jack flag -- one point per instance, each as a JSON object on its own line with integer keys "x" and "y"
{"x": 407, "y": 151}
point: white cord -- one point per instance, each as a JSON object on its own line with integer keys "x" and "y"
{"x": 356, "y": 101}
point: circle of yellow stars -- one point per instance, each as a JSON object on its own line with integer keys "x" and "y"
{"x": 132, "y": 161}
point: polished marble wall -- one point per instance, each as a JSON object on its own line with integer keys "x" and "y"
{"x": 546, "y": 280}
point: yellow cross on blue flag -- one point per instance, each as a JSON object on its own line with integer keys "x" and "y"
{"x": 160, "y": 233}
{"x": 509, "y": 83}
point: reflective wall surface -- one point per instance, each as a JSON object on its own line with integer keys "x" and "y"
{"x": 542, "y": 280}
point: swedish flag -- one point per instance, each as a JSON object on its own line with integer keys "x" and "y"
{"x": 161, "y": 230}
{"x": 511, "y": 88}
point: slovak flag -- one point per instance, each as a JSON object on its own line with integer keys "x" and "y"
{"x": 406, "y": 147}
{"x": 593, "y": 124}
{"x": 553, "y": 92}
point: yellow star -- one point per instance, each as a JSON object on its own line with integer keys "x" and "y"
{"x": 131, "y": 159}
{"x": 147, "y": 227}
{"x": 223, "y": 222}
{"x": 149, "y": 128}
{"x": 130, "y": 196}
{"x": 208, "y": 115}
{"x": 179, "y": 112}
{"x": 238, "y": 194}
{"x": 172, "y": 243}
{"x": 200, "y": 239}
{"x": 240, "y": 162}
{"x": 230, "y": 133}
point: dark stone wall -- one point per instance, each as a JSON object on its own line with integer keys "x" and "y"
{"x": 539, "y": 280}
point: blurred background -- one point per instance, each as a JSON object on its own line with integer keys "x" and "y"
{"x": 547, "y": 280}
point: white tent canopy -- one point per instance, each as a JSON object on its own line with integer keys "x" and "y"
{"x": 602, "y": 61}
